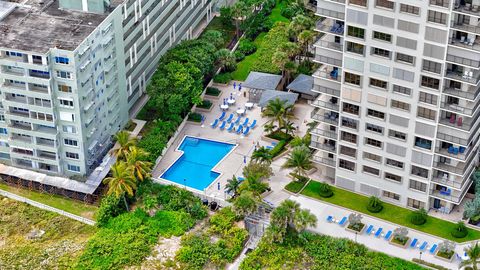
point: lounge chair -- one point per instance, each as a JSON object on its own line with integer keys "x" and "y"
{"x": 330, "y": 219}
{"x": 222, "y": 116}
{"x": 423, "y": 246}
{"x": 214, "y": 124}
{"x": 369, "y": 229}
{"x": 343, "y": 221}
{"x": 378, "y": 232}
{"x": 433, "y": 248}
{"x": 414, "y": 243}
{"x": 238, "y": 120}
{"x": 239, "y": 129}
{"x": 230, "y": 117}
{"x": 387, "y": 236}
{"x": 240, "y": 179}
{"x": 245, "y": 122}
{"x": 231, "y": 127}
{"x": 253, "y": 124}
{"x": 222, "y": 126}
{"x": 245, "y": 132}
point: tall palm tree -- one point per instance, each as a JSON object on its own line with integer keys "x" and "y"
{"x": 269, "y": 128}
{"x": 225, "y": 60}
{"x": 262, "y": 155}
{"x": 279, "y": 59}
{"x": 292, "y": 49}
{"x": 305, "y": 38}
{"x": 300, "y": 160}
{"x": 121, "y": 181}
{"x": 239, "y": 11}
{"x": 289, "y": 128}
{"x": 473, "y": 253}
{"x": 125, "y": 142}
{"x": 246, "y": 204}
{"x": 303, "y": 219}
{"x": 278, "y": 111}
{"x": 233, "y": 185}
{"x": 141, "y": 169}
{"x": 300, "y": 23}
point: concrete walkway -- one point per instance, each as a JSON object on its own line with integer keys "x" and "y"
{"x": 322, "y": 210}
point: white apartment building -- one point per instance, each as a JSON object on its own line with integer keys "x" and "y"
{"x": 70, "y": 72}
{"x": 398, "y": 111}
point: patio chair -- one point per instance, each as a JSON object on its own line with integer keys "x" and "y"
{"x": 455, "y": 151}
{"x": 231, "y": 127}
{"x": 465, "y": 74}
{"x": 222, "y": 116}
{"x": 461, "y": 149}
{"x": 238, "y": 120}
{"x": 387, "y": 236}
{"x": 423, "y": 246}
{"x": 470, "y": 73}
{"x": 246, "y": 131}
{"x": 239, "y": 129}
{"x": 329, "y": 219}
{"x": 343, "y": 221}
{"x": 369, "y": 230}
{"x": 450, "y": 149}
{"x": 222, "y": 126}
{"x": 462, "y": 39}
{"x": 378, "y": 232}
{"x": 414, "y": 243}
{"x": 245, "y": 122}
{"x": 433, "y": 248}
{"x": 253, "y": 124}
{"x": 470, "y": 42}
{"x": 214, "y": 124}
{"x": 230, "y": 117}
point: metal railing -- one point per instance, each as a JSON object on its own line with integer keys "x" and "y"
{"x": 463, "y": 61}
{"x": 330, "y": 13}
{"x": 328, "y": 60}
{"x": 326, "y": 90}
{"x": 471, "y": 95}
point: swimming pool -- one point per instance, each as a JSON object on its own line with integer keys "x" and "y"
{"x": 194, "y": 167}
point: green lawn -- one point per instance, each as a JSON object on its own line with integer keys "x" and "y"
{"x": 275, "y": 16}
{"x": 295, "y": 186}
{"x": 390, "y": 212}
{"x": 244, "y": 67}
{"x": 227, "y": 30}
{"x": 62, "y": 203}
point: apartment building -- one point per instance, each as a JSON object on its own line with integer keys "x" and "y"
{"x": 71, "y": 70}
{"x": 397, "y": 115}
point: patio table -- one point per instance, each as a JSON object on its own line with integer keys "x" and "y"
{"x": 249, "y": 105}
{"x": 240, "y": 111}
{"x": 224, "y": 107}
{"x": 231, "y": 101}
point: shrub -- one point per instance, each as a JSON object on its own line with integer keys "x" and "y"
{"x": 325, "y": 190}
{"x": 214, "y": 37}
{"x": 374, "y": 205}
{"x": 460, "y": 230}
{"x": 110, "y": 207}
{"x": 419, "y": 217}
{"x": 278, "y": 149}
{"x": 400, "y": 235}
{"x": 195, "y": 117}
{"x": 205, "y": 104}
{"x": 213, "y": 91}
{"x": 239, "y": 56}
{"x": 246, "y": 47}
{"x": 431, "y": 265}
{"x": 446, "y": 249}
{"x": 355, "y": 222}
{"x": 223, "y": 78}
{"x": 280, "y": 135}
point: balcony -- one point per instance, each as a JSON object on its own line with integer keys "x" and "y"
{"x": 440, "y": 3}
{"x": 326, "y": 90}
{"x": 448, "y": 194}
{"x": 325, "y": 117}
{"x": 324, "y": 133}
{"x": 463, "y": 61}
{"x": 329, "y": 45}
{"x": 331, "y": 104}
{"x": 457, "y": 152}
{"x": 464, "y": 27}
{"x": 467, "y": 7}
{"x": 455, "y": 121}
{"x": 324, "y": 160}
{"x": 465, "y": 42}
{"x": 47, "y": 155}
{"x": 328, "y": 60}
{"x": 326, "y": 145}
{"x": 451, "y": 138}
{"x": 46, "y": 142}
{"x": 467, "y": 108}
{"x": 464, "y": 75}
{"x": 328, "y": 73}
{"x": 470, "y": 93}
{"x": 362, "y": 3}
{"x": 330, "y": 26}
{"x": 459, "y": 168}
{"x": 330, "y": 13}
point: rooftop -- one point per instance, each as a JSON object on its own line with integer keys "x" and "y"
{"x": 303, "y": 84}
{"x": 262, "y": 81}
{"x": 38, "y": 25}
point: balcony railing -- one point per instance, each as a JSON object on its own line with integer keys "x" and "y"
{"x": 332, "y": 75}
{"x": 467, "y": 8}
{"x": 470, "y": 76}
{"x": 325, "y": 104}
{"x": 440, "y": 3}
{"x": 460, "y": 152}
{"x": 325, "y": 133}
{"x": 471, "y": 93}
{"x": 452, "y": 139}
{"x": 328, "y": 60}
{"x": 323, "y": 146}
{"x": 464, "y": 124}
{"x": 326, "y": 90}
{"x": 330, "y": 13}
{"x": 466, "y": 27}
{"x": 463, "y": 61}
{"x": 465, "y": 43}
{"x": 330, "y": 26}
{"x": 329, "y": 45}
{"x": 326, "y": 117}
{"x": 325, "y": 161}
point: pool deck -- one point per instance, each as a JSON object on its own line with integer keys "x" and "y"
{"x": 233, "y": 163}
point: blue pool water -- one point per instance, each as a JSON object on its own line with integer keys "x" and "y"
{"x": 196, "y": 163}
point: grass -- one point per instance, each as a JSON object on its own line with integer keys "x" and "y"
{"x": 57, "y": 201}
{"x": 276, "y": 15}
{"x": 245, "y": 66}
{"x": 390, "y": 212}
{"x": 59, "y": 248}
{"x": 228, "y": 31}
{"x": 295, "y": 186}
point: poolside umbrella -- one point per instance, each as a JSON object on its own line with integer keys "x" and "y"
{"x": 218, "y": 185}
{"x": 231, "y": 96}
{"x": 234, "y": 85}
{"x": 240, "y": 87}
{"x": 245, "y": 159}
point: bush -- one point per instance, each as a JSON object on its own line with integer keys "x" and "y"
{"x": 213, "y": 91}
{"x": 195, "y": 117}
{"x": 246, "y": 47}
{"x": 239, "y": 56}
{"x": 278, "y": 149}
{"x": 205, "y": 104}
{"x": 374, "y": 205}
{"x": 223, "y": 78}
{"x": 110, "y": 207}
{"x": 419, "y": 217}
{"x": 280, "y": 136}
{"x": 325, "y": 190}
{"x": 214, "y": 37}
{"x": 431, "y": 265}
{"x": 460, "y": 230}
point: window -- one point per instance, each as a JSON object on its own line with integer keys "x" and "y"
{"x": 71, "y": 155}
{"x": 349, "y": 123}
{"x": 70, "y": 142}
{"x": 402, "y": 90}
{"x": 348, "y": 137}
{"x": 3, "y": 131}
{"x": 355, "y": 47}
{"x": 381, "y": 52}
{"x": 417, "y": 185}
{"x": 350, "y": 108}
{"x": 409, "y": 9}
{"x": 426, "y": 113}
{"x": 415, "y": 203}
{"x": 352, "y": 78}
{"x": 430, "y": 82}
{"x": 345, "y": 164}
{"x": 373, "y": 142}
{"x": 64, "y": 88}
{"x": 376, "y": 114}
{"x": 65, "y": 102}
{"x": 420, "y": 172}
{"x": 431, "y": 66}
{"x": 378, "y": 83}
{"x": 400, "y": 105}
{"x": 371, "y": 170}
{"x": 64, "y": 74}
{"x": 427, "y": 98}
{"x": 423, "y": 143}
{"x": 437, "y": 17}
{"x": 397, "y": 135}
{"x": 73, "y": 168}
{"x": 69, "y": 129}
{"x": 382, "y": 36}
{"x": 405, "y": 58}
{"x": 372, "y": 157}
{"x": 374, "y": 128}
{"x": 2, "y": 118}
{"x": 62, "y": 60}
{"x": 17, "y": 54}
{"x": 356, "y": 32}
{"x": 391, "y": 195}
{"x": 385, "y": 4}
{"x": 395, "y": 163}
{"x": 362, "y": 3}
{"x": 348, "y": 151}
{"x": 392, "y": 177}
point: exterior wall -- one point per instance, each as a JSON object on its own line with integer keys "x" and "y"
{"x": 385, "y": 81}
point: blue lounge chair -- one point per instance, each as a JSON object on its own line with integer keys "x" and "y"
{"x": 461, "y": 149}
{"x": 269, "y": 147}
{"x": 434, "y": 247}
{"x": 343, "y": 221}
{"x": 230, "y": 117}
{"x": 222, "y": 116}
{"x": 455, "y": 151}
{"x": 231, "y": 127}
{"x": 245, "y": 122}
{"x": 450, "y": 149}
{"x": 238, "y": 120}
{"x": 240, "y": 179}
{"x": 423, "y": 246}
{"x": 245, "y": 132}
{"x": 253, "y": 124}
{"x": 414, "y": 243}
{"x": 239, "y": 129}
{"x": 378, "y": 232}
{"x": 214, "y": 124}
{"x": 329, "y": 218}
{"x": 387, "y": 236}
{"x": 222, "y": 126}
{"x": 369, "y": 229}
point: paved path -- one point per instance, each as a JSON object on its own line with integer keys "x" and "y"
{"x": 322, "y": 210}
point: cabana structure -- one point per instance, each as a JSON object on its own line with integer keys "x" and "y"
{"x": 257, "y": 82}
{"x": 269, "y": 95}
{"x": 303, "y": 85}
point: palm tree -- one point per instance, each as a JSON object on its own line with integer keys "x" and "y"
{"x": 473, "y": 253}
{"x": 121, "y": 181}
{"x": 289, "y": 128}
{"x": 141, "y": 169}
{"x": 246, "y": 204}
{"x": 291, "y": 49}
{"x": 225, "y": 60}
{"x": 279, "y": 59}
{"x": 300, "y": 160}
{"x": 300, "y": 23}
{"x": 269, "y": 128}
{"x": 290, "y": 67}
{"x": 303, "y": 219}
{"x": 125, "y": 142}
{"x": 299, "y": 141}
{"x": 233, "y": 185}
{"x": 278, "y": 111}
{"x": 239, "y": 11}
{"x": 262, "y": 155}
{"x": 289, "y": 215}
{"x": 305, "y": 38}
